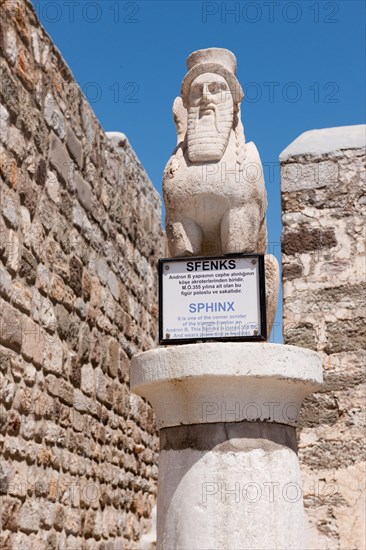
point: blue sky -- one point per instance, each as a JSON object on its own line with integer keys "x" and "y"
{"x": 301, "y": 65}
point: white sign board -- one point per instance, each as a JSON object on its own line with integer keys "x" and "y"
{"x": 212, "y": 298}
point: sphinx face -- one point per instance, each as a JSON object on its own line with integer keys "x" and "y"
{"x": 210, "y": 118}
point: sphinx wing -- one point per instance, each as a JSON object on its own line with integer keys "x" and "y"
{"x": 180, "y": 119}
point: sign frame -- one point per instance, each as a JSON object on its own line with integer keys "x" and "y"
{"x": 262, "y": 301}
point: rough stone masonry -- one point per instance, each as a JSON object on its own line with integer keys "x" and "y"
{"x": 323, "y": 254}
{"x": 80, "y": 235}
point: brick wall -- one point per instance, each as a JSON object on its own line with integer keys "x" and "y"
{"x": 323, "y": 245}
{"x": 80, "y": 235}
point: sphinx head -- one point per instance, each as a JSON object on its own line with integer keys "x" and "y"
{"x": 211, "y": 94}
{"x": 210, "y": 117}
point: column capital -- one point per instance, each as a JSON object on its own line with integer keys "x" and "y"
{"x": 226, "y": 382}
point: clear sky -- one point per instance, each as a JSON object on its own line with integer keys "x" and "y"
{"x": 301, "y": 65}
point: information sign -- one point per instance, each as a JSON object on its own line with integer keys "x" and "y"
{"x": 212, "y": 298}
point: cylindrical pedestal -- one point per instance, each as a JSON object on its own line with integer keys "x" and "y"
{"x": 228, "y": 469}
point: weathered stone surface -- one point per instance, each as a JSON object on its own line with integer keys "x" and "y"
{"x": 75, "y": 147}
{"x": 324, "y": 288}
{"x": 349, "y": 334}
{"x": 64, "y": 350}
{"x": 113, "y": 358}
{"x": 53, "y": 116}
{"x": 4, "y": 124}
{"x": 53, "y": 355}
{"x": 301, "y": 335}
{"x": 21, "y": 296}
{"x": 76, "y": 275}
{"x": 26, "y": 116}
{"x": 47, "y": 511}
{"x": 28, "y": 267}
{"x": 16, "y": 142}
{"x": 29, "y": 517}
{"x": 60, "y": 159}
{"x": 305, "y": 240}
{"x": 67, "y": 325}
{"x": 28, "y": 197}
{"x": 11, "y": 49}
{"x": 292, "y": 271}
{"x": 113, "y": 285}
{"x": 9, "y": 206}
{"x": 46, "y": 213}
{"x": 10, "y": 513}
{"x": 84, "y": 191}
{"x": 10, "y": 326}
{"x": 12, "y": 251}
{"x": 5, "y": 282}
{"x": 10, "y": 360}
{"x": 87, "y": 379}
{"x": 41, "y": 136}
{"x": 53, "y": 187}
{"x": 9, "y": 91}
{"x": 41, "y": 172}
{"x": 340, "y": 492}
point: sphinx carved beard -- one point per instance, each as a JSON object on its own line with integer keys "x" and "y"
{"x": 208, "y": 133}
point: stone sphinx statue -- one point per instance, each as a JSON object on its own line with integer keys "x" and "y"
{"x": 213, "y": 183}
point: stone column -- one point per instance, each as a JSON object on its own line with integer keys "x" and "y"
{"x": 228, "y": 469}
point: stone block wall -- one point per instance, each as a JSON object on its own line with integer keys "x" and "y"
{"x": 80, "y": 235}
{"x": 323, "y": 247}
